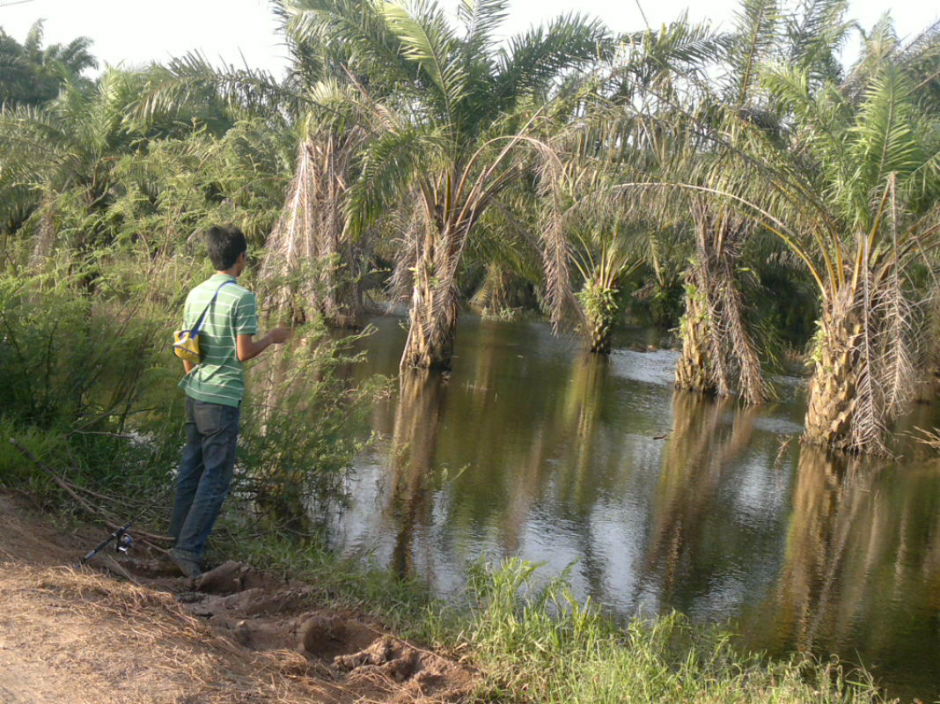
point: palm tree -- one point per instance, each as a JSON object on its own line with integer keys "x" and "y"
{"x": 449, "y": 132}
{"x": 606, "y": 135}
{"x": 719, "y": 351}
{"x": 33, "y": 75}
{"x": 859, "y": 206}
{"x": 311, "y": 242}
{"x": 853, "y": 192}
{"x": 310, "y": 257}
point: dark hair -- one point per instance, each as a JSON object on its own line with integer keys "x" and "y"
{"x": 226, "y": 243}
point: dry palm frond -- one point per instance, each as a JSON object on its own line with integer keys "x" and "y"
{"x": 310, "y": 241}
{"x": 929, "y": 437}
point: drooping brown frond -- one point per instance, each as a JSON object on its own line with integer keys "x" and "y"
{"x": 719, "y": 352}
{"x": 308, "y": 257}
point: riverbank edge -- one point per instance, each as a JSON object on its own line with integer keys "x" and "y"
{"x": 529, "y": 644}
{"x": 540, "y": 645}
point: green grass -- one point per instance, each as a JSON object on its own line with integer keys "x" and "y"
{"x": 542, "y": 645}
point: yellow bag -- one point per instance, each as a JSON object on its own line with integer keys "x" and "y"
{"x": 186, "y": 342}
{"x": 186, "y": 346}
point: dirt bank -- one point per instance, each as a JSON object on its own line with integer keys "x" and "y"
{"x": 131, "y": 631}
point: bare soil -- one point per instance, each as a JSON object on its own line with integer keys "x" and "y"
{"x": 126, "y": 629}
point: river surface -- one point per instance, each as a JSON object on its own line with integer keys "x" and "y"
{"x": 652, "y": 499}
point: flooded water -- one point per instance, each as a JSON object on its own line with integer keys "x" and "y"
{"x": 652, "y": 499}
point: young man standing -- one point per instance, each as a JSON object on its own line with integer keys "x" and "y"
{"x": 214, "y": 392}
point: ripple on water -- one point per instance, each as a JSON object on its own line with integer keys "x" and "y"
{"x": 657, "y": 367}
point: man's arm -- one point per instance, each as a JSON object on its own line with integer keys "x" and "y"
{"x": 248, "y": 348}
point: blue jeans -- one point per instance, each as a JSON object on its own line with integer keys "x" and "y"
{"x": 205, "y": 474}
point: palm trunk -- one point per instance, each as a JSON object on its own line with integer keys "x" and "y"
{"x": 433, "y": 316}
{"x": 833, "y": 409}
{"x": 601, "y": 329}
{"x": 308, "y": 255}
{"x": 693, "y": 371}
{"x": 719, "y": 354}
{"x": 599, "y": 304}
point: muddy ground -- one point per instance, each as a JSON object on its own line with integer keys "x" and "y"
{"x": 127, "y": 629}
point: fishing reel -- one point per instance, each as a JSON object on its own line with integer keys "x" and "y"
{"x": 124, "y": 543}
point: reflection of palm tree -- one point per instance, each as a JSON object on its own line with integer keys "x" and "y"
{"x": 574, "y": 427}
{"x": 583, "y": 406}
{"x": 527, "y": 482}
{"x": 414, "y": 445}
{"x": 830, "y": 493}
{"x": 698, "y": 450}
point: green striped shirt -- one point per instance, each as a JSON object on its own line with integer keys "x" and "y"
{"x": 220, "y": 378}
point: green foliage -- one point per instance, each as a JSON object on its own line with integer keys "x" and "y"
{"x": 600, "y": 303}
{"x": 33, "y": 75}
{"x": 304, "y": 423}
{"x": 69, "y": 362}
{"x": 542, "y": 645}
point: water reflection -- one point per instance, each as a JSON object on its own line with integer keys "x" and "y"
{"x": 699, "y": 451}
{"x": 414, "y": 444}
{"x": 654, "y": 499}
{"x": 861, "y": 575}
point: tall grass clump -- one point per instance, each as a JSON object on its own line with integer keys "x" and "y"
{"x": 84, "y": 388}
{"x": 305, "y": 421}
{"x": 541, "y": 645}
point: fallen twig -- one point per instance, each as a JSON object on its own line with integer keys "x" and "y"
{"x": 72, "y": 491}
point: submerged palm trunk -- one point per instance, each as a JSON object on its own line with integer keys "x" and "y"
{"x": 832, "y": 414}
{"x": 863, "y": 367}
{"x": 719, "y": 355}
{"x": 694, "y": 369}
{"x": 601, "y": 328}
{"x": 433, "y": 316}
{"x": 599, "y": 302}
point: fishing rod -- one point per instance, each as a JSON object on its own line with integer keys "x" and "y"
{"x": 123, "y": 542}
{"x": 120, "y": 535}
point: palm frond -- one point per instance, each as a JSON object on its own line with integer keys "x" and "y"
{"x": 815, "y": 33}
{"x": 355, "y": 32}
{"x": 32, "y": 44}
{"x": 388, "y": 168}
{"x": 659, "y": 60}
{"x": 428, "y": 41}
{"x": 480, "y": 19}
{"x": 534, "y": 59}
{"x": 191, "y": 80}
{"x": 757, "y": 32}
{"x": 883, "y": 138}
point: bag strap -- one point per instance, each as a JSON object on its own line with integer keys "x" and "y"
{"x": 198, "y": 325}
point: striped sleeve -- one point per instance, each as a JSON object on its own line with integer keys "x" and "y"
{"x": 246, "y": 315}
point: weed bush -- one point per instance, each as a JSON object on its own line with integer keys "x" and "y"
{"x": 303, "y": 425}
{"x": 543, "y": 646}
{"x": 68, "y": 362}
